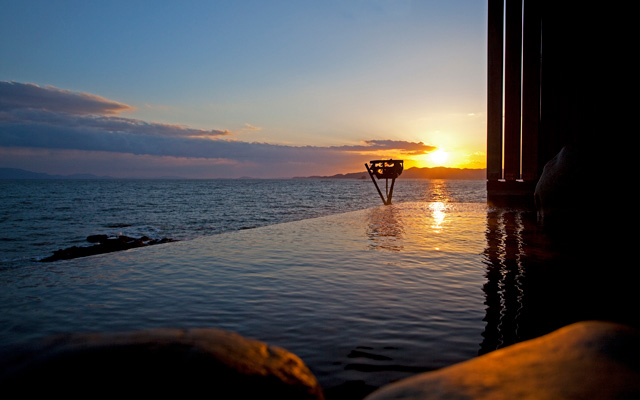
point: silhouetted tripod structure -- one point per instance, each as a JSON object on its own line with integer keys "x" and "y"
{"x": 385, "y": 169}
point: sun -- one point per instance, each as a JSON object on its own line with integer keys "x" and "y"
{"x": 439, "y": 157}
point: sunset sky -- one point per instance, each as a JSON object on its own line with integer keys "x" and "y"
{"x": 268, "y": 89}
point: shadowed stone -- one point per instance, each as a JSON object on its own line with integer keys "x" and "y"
{"x": 565, "y": 189}
{"x": 104, "y": 244}
{"x": 586, "y": 360}
{"x": 210, "y": 362}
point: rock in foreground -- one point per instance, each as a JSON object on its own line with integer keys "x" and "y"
{"x": 104, "y": 244}
{"x": 586, "y": 360}
{"x": 206, "y": 362}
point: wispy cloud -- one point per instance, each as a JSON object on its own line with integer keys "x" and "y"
{"x": 48, "y": 118}
{"x": 15, "y": 95}
{"x": 28, "y": 105}
{"x": 250, "y": 127}
{"x": 400, "y": 146}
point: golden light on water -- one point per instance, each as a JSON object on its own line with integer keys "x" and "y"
{"x": 438, "y": 215}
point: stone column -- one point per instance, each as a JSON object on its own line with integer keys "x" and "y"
{"x": 512, "y": 93}
{"x": 531, "y": 68}
{"x": 494, "y": 89}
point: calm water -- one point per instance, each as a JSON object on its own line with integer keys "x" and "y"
{"x": 38, "y": 217}
{"x": 364, "y": 294}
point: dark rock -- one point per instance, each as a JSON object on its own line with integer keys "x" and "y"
{"x": 104, "y": 244}
{"x": 582, "y": 203}
{"x": 97, "y": 238}
{"x": 563, "y": 190}
{"x": 586, "y": 360}
{"x": 209, "y": 362}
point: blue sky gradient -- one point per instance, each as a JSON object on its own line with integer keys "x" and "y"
{"x": 337, "y": 81}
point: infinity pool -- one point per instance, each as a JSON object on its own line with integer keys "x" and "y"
{"x": 364, "y": 298}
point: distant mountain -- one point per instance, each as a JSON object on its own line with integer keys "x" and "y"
{"x": 16, "y": 173}
{"x": 417, "y": 173}
{"x": 352, "y": 175}
{"x": 410, "y": 173}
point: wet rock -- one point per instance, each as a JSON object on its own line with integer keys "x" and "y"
{"x": 209, "y": 362}
{"x": 104, "y": 244}
{"x": 97, "y": 238}
{"x": 565, "y": 191}
{"x": 586, "y": 360}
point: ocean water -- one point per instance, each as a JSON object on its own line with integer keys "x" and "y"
{"x": 365, "y": 294}
{"x": 38, "y": 217}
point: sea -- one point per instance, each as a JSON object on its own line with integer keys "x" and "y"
{"x": 38, "y": 217}
{"x": 365, "y": 294}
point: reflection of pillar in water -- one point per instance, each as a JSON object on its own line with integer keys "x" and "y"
{"x": 504, "y": 287}
{"x": 385, "y": 229}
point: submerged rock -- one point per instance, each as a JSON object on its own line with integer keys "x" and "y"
{"x": 104, "y": 244}
{"x": 585, "y": 360}
{"x": 203, "y": 362}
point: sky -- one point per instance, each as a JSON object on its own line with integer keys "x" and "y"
{"x": 265, "y": 89}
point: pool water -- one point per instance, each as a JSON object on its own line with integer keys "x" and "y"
{"x": 364, "y": 297}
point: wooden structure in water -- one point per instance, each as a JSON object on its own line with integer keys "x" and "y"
{"x": 385, "y": 169}
{"x": 534, "y": 109}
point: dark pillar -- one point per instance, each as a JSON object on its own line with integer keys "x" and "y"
{"x": 512, "y": 94}
{"x": 568, "y": 74}
{"x": 514, "y": 156}
{"x": 494, "y": 89}
{"x": 531, "y": 59}
{"x": 555, "y": 76}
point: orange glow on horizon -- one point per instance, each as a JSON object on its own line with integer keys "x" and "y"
{"x": 448, "y": 159}
{"x": 440, "y": 157}
{"x": 436, "y": 158}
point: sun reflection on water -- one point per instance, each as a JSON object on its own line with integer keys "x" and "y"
{"x": 438, "y": 215}
{"x": 438, "y": 191}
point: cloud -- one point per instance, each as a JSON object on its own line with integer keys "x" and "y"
{"x": 14, "y": 95}
{"x": 66, "y": 162}
{"x": 24, "y": 104}
{"x": 250, "y": 127}
{"x": 400, "y": 146}
{"x": 69, "y": 123}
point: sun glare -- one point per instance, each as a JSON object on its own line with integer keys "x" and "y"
{"x": 439, "y": 157}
